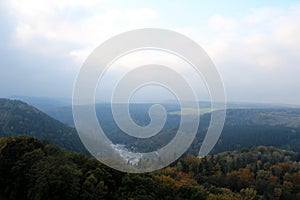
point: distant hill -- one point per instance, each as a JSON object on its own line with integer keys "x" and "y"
{"x": 244, "y": 127}
{"x": 44, "y": 103}
{"x": 247, "y": 125}
{"x": 18, "y": 118}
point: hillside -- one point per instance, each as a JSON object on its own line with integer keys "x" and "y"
{"x": 32, "y": 169}
{"x": 244, "y": 127}
{"x": 18, "y": 118}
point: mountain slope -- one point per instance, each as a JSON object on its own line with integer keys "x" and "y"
{"x": 244, "y": 128}
{"x": 18, "y": 118}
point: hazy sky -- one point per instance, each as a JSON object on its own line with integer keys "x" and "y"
{"x": 254, "y": 44}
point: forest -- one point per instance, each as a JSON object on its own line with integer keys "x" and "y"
{"x": 257, "y": 157}
{"x": 244, "y": 128}
{"x": 34, "y": 169}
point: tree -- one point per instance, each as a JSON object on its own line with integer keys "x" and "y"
{"x": 248, "y": 193}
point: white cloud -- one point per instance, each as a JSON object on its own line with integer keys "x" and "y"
{"x": 260, "y": 44}
{"x": 221, "y": 23}
{"x": 261, "y": 15}
{"x": 258, "y": 52}
{"x": 57, "y": 19}
{"x": 141, "y": 14}
{"x": 24, "y": 33}
{"x": 80, "y": 55}
{"x": 81, "y": 25}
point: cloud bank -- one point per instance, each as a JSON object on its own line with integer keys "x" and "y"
{"x": 45, "y": 42}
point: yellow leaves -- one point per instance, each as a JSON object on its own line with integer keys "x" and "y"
{"x": 163, "y": 179}
{"x": 217, "y": 167}
{"x": 169, "y": 171}
{"x": 277, "y": 192}
{"x": 244, "y": 174}
{"x": 102, "y": 186}
{"x": 288, "y": 184}
{"x": 248, "y": 193}
{"x": 273, "y": 179}
{"x": 224, "y": 197}
{"x": 185, "y": 181}
{"x": 178, "y": 180}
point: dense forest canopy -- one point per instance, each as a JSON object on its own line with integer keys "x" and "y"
{"x": 18, "y": 118}
{"x": 33, "y": 169}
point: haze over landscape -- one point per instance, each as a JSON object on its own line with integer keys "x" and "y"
{"x": 240, "y": 142}
{"x": 255, "y": 45}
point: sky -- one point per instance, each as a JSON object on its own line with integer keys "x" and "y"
{"x": 255, "y": 45}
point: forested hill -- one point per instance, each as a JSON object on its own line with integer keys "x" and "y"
{"x": 32, "y": 169}
{"x": 18, "y": 118}
{"x": 244, "y": 128}
{"x": 272, "y": 125}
